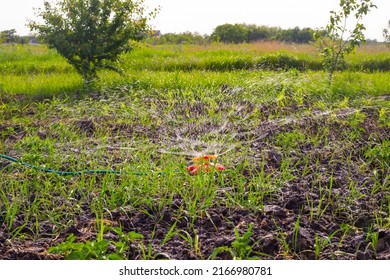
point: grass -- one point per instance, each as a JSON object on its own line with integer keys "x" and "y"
{"x": 317, "y": 151}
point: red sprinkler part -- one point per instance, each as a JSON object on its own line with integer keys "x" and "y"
{"x": 193, "y": 169}
{"x": 204, "y": 164}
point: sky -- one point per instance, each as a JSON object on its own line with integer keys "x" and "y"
{"x": 203, "y": 16}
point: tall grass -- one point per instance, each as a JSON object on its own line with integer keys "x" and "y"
{"x": 30, "y": 61}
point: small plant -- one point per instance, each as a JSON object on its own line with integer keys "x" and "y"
{"x": 295, "y": 234}
{"x": 323, "y": 197}
{"x": 89, "y": 250}
{"x": 320, "y": 243}
{"x": 336, "y": 40}
{"x": 357, "y": 119}
{"x": 372, "y": 237}
{"x": 96, "y": 249}
{"x": 281, "y": 97}
{"x": 290, "y": 140}
{"x": 379, "y": 154}
{"x": 240, "y": 248}
{"x": 384, "y": 116}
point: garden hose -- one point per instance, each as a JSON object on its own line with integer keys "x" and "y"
{"x": 202, "y": 164}
{"x": 65, "y": 173}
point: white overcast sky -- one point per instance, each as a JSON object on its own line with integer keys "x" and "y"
{"x": 204, "y": 15}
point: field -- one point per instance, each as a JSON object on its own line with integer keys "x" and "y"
{"x": 307, "y": 162}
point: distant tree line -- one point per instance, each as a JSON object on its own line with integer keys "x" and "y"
{"x": 226, "y": 33}
{"x": 179, "y": 38}
{"x": 245, "y": 33}
{"x": 238, "y": 33}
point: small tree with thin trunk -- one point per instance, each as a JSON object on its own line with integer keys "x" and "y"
{"x": 386, "y": 34}
{"x": 91, "y": 34}
{"x": 336, "y": 40}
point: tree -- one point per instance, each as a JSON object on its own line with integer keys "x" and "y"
{"x": 336, "y": 40}
{"x": 230, "y": 33}
{"x": 386, "y": 33}
{"x": 8, "y": 35}
{"x": 297, "y": 35}
{"x": 91, "y": 34}
{"x": 256, "y": 33}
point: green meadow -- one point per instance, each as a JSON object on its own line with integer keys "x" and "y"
{"x": 307, "y": 162}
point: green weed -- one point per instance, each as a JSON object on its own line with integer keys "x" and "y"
{"x": 96, "y": 249}
{"x": 240, "y": 248}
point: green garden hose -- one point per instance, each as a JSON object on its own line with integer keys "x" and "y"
{"x": 65, "y": 173}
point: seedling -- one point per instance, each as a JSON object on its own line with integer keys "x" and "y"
{"x": 240, "y": 248}
{"x": 96, "y": 249}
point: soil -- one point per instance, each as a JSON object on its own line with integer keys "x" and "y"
{"x": 274, "y": 225}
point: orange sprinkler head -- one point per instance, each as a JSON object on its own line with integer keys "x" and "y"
{"x": 205, "y": 167}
